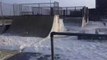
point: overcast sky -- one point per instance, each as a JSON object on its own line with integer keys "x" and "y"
{"x": 88, "y": 3}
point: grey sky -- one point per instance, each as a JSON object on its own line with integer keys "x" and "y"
{"x": 88, "y": 3}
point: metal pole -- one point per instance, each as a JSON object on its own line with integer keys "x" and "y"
{"x": 3, "y": 26}
{"x": 52, "y": 47}
{"x": 50, "y": 3}
{"x": 13, "y": 9}
{"x": 1, "y": 8}
{"x": 2, "y": 13}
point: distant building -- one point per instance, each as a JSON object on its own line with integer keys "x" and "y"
{"x": 100, "y": 12}
{"x": 101, "y": 4}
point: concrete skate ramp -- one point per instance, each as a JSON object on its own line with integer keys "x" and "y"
{"x": 34, "y": 26}
{"x": 38, "y": 26}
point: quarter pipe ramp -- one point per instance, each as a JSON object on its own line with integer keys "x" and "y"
{"x": 35, "y": 26}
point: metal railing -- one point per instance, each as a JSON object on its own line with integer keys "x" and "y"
{"x": 80, "y": 35}
{"x": 25, "y": 8}
{"x": 39, "y": 9}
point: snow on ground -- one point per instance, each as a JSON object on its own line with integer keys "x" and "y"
{"x": 92, "y": 26}
{"x": 69, "y": 48}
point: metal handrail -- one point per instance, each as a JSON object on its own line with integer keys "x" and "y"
{"x": 70, "y": 34}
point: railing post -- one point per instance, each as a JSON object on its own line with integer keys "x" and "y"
{"x": 52, "y": 46}
{"x": 1, "y": 5}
